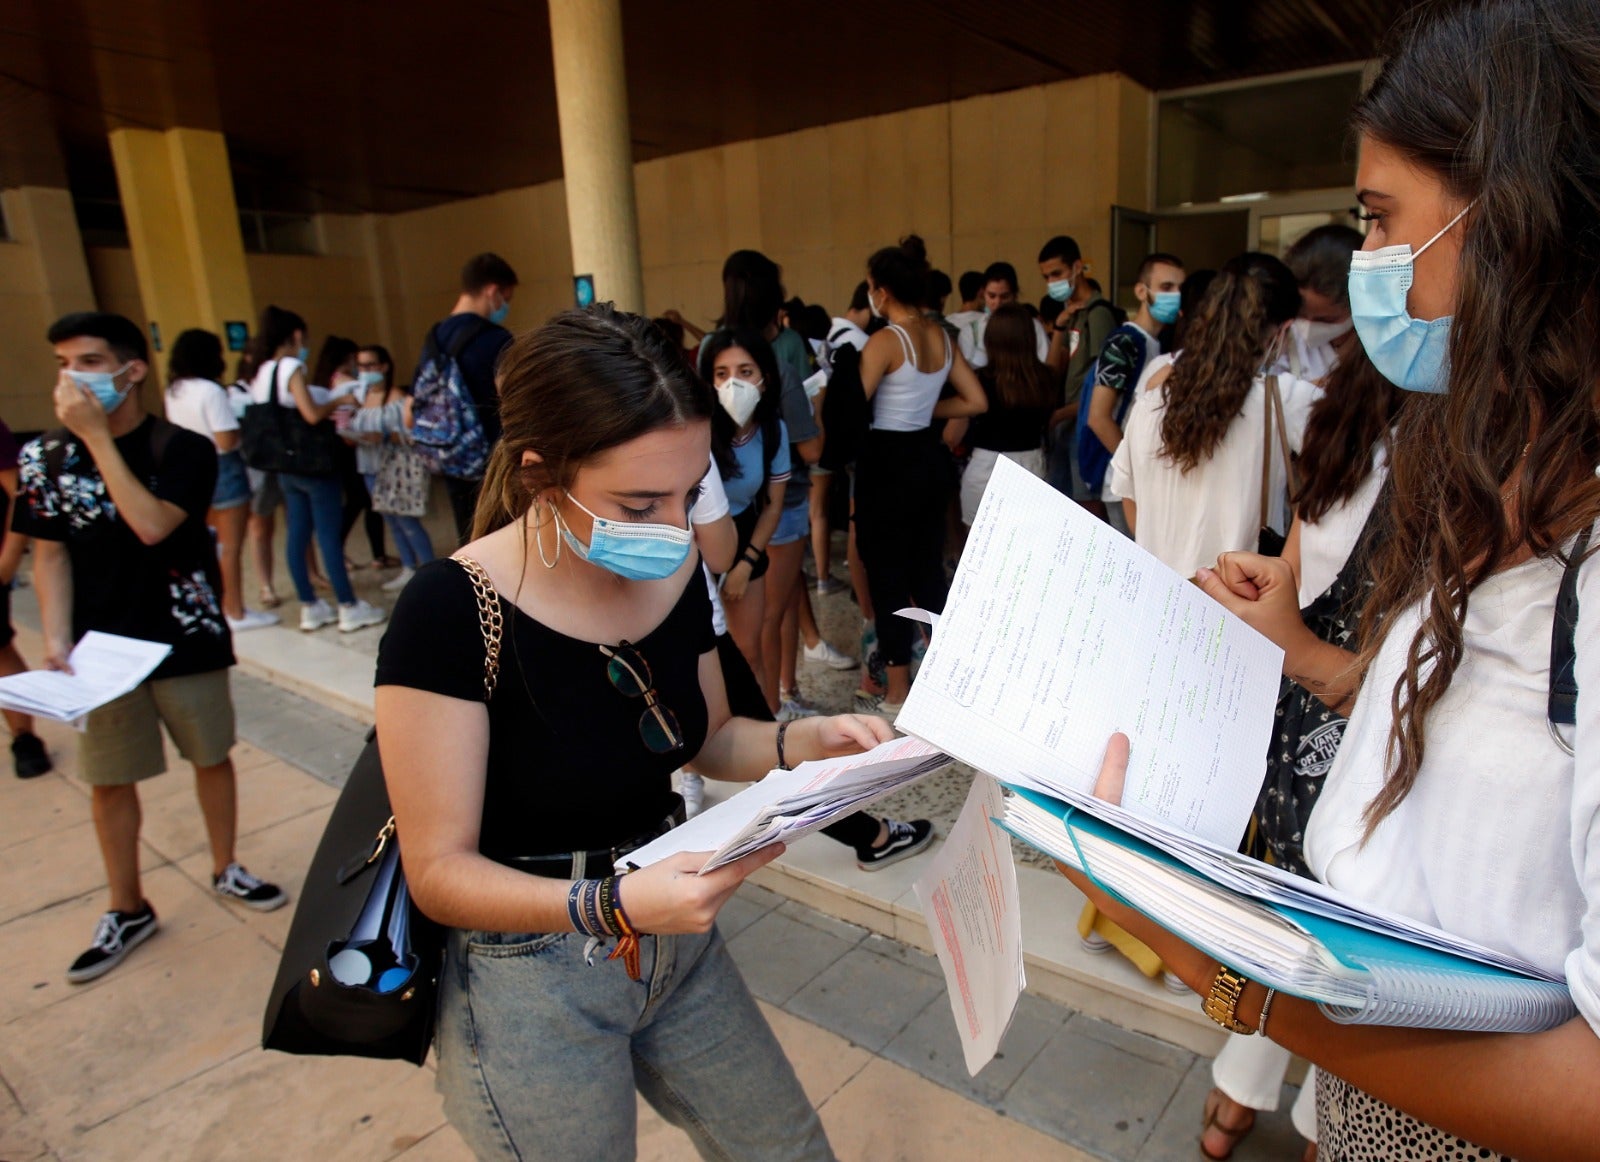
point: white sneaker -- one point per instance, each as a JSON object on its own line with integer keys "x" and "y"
{"x": 830, "y": 655}
{"x": 252, "y": 619}
{"x": 792, "y": 709}
{"x": 316, "y": 615}
{"x": 399, "y": 582}
{"x": 693, "y": 789}
{"x": 358, "y": 615}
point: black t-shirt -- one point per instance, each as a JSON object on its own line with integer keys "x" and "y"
{"x": 477, "y": 360}
{"x": 1003, "y": 429}
{"x": 167, "y": 592}
{"x": 568, "y": 770}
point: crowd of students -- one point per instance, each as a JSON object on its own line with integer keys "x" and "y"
{"x": 1379, "y": 450}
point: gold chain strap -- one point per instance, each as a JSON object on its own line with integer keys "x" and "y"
{"x": 490, "y": 619}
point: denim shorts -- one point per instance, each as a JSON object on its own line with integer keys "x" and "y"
{"x": 795, "y": 523}
{"x": 233, "y": 482}
{"x": 540, "y": 1052}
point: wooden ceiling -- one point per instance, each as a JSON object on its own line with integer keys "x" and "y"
{"x": 349, "y": 105}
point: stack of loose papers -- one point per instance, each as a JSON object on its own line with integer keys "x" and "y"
{"x": 105, "y": 666}
{"x": 1363, "y": 965}
{"x": 1059, "y": 632}
{"x": 787, "y": 805}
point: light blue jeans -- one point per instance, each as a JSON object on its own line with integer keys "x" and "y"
{"x": 315, "y": 505}
{"x": 410, "y": 537}
{"x": 539, "y": 1053}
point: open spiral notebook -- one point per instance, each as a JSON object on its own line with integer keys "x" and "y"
{"x": 1058, "y": 632}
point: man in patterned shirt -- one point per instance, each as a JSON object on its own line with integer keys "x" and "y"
{"x": 116, "y": 500}
{"x": 1104, "y": 410}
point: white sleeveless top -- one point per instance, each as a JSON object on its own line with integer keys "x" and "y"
{"x": 905, "y": 396}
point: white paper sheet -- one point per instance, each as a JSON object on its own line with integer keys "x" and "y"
{"x": 1059, "y": 631}
{"x": 104, "y": 666}
{"x": 788, "y": 805}
{"x": 969, "y": 898}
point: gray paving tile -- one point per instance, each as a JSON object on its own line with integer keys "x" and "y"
{"x": 853, "y": 933}
{"x": 779, "y": 955}
{"x": 904, "y": 953}
{"x": 931, "y": 1046}
{"x": 1085, "y": 1089}
{"x": 866, "y": 998}
{"x": 742, "y": 910}
{"x": 1155, "y": 1051}
{"x": 1176, "y": 1135}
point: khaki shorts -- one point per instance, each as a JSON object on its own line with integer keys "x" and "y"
{"x": 122, "y": 741}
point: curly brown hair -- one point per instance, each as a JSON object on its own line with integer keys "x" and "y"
{"x": 1500, "y": 99}
{"x": 1222, "y": 354}
{"x": 1356, "y": 410}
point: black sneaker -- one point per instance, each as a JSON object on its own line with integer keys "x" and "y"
{"x": 28, "y": 756}
{"x": 241, "y": 887}
{"x": 905, "y": 840}
{"x": 118, "y": 934}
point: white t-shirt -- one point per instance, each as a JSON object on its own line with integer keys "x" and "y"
{"x": 971, "y": 331}
{"x": 269, "y": 374}
{"x": 1326, "y": 545}
{"x": 711, "y": 507}
{"x": 1499, "y": 838}
{"x": 842, "y": 330}
{"x": 1187, "y": 518}
{"x": 201, "y": 406}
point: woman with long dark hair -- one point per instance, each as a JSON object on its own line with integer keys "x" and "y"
{"x": 1343, "y": 465}
{"x": 901, "y": 490}
{"x": 513, "y": 808}
{"x": 1189, "y": 468}
{"x": 383, "y": 450}
{"x": 1454, "y": 799}
{"x": 1021, "y": 392}
{"x": 752, "y": 451}
{"x": 313, "y": 502}
{"x": 197, "y": 400}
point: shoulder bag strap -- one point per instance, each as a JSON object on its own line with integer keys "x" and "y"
{"x": 491, "y": 620}
{"x": 1266, "y": 453}
{"x": 1563, "y": 705}
{"x": 1283, "y": 433}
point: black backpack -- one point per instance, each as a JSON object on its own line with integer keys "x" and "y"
{"x": 846, "y": 411}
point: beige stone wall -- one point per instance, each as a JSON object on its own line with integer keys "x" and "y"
{"x": 981, "y": 179}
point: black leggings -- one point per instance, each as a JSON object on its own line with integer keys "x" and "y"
{"x": 745, "y": 700}
{"x": 902, "y": 491}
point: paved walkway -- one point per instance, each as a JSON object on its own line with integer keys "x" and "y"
{"x": 160, "y": 1059}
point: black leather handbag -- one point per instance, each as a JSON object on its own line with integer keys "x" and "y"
{"x": 274, "y": 438}
{"x": 359, "y": 974}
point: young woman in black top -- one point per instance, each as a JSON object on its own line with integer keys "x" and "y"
{"x": 512, "y": 813}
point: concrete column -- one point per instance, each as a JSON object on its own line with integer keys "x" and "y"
{"x": 183, "y": 224}
{"x": 596, "y": 147}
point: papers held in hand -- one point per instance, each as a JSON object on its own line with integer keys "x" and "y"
{"x": 105, "y": 666}
{"x": 787, "y": 805}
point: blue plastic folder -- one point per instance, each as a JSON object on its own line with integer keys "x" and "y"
{"x": 1359, "y": 968}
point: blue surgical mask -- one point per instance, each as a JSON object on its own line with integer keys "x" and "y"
{"x": 1164, "y": 307}
{"x": 1409, "y": 353}
{"x": 639, "y": 552}
{"x": 1060, "y": 290}
{"x": 104, "y": 386}
{"x": 498, "y": 315}
{"x": 304, "y": 355}
{"x": 366, "y": 381}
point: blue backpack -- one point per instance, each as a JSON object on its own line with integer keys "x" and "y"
{"x": 447, "y": 432}
{"x": 1093, "y": 457}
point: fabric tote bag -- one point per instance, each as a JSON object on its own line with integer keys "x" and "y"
{"x": 403, "y": 482}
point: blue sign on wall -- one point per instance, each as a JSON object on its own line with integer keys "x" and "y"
{"x": 155, "y": 334}
{"x": 238, "y": 334}
{"x": 583, "y": 289}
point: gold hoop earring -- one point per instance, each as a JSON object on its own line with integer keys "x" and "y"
{"x": 538, "y": 538}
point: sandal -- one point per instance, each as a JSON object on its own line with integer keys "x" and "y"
{"x": 268, "y": 598}
{"x": 1231, "y": 1135}
{"x": 384, "y": 563}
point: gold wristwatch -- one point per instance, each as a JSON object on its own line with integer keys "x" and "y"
{"x": 1222, "y": 1002}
